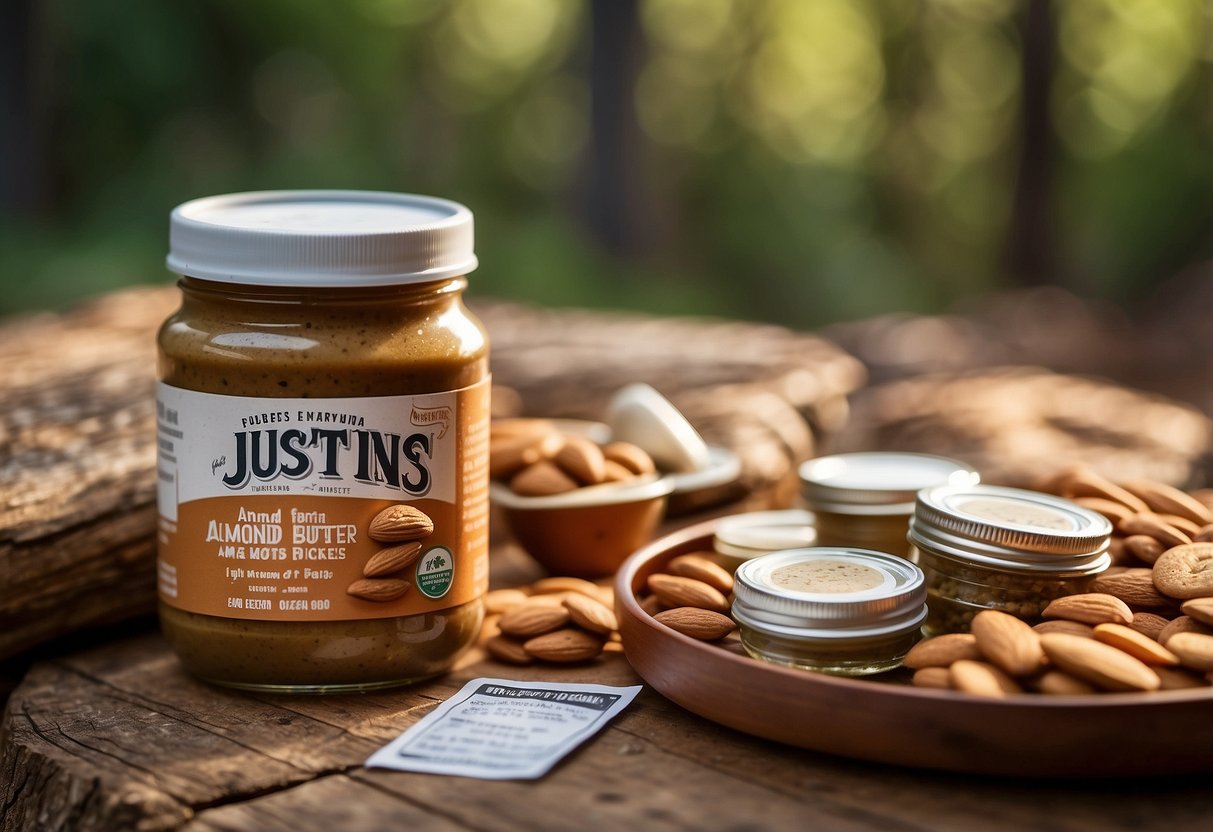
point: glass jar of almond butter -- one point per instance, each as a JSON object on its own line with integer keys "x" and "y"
{"x": 323, "y": 413}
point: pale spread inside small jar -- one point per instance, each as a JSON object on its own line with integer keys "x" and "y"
{"x": 1020, "y": 514}
{"x": 833, "y": 576}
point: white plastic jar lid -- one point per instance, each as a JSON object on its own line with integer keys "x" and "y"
{"x": 321, "y": 238}
{"x": 758, "y": 532}
{"x": 878, "y": 482}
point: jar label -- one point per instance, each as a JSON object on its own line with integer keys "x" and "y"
{"x": 322, "y": 509}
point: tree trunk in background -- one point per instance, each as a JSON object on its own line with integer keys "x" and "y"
{"x": 20, "y": 149}
{"x": 1032, "y": 252}
{"x": 615, "y": 204}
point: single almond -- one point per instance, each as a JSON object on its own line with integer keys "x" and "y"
{"x": 541, "y": 479}
{"x": 652, "y": 604}
{"x": 400, "y": 523}
{"x": 1199, "y": 608}
{"x": 1195, "y": 650}
{"x": 1177, "y": 678}
{"x": 1136, "y": 644}
{"x": 981, "y": 679}
{"x": 521, "y": 426}
{"x": 1102, "y": 665}
{"x": 582, "y": 460}
{"x": 1133, "y": 586}
{"x": 614, "y": 472}
{"x": 509, "y": 455}
{"x": 1144, "y": 547}
{"x": 1060, "y": 683}
{"x": 1185, "y": 525}
{"x": 590, "y": 615}
{"x": 702, "y": 569}
{"x": 630, "y": 457}
{"x": 941, "y": 651}
{"x": 1154, "y": 526}
{"x": 1090, "y": 608}
{"x": 1166, "y": 499}
{"x": 1007, "y": 642}
{"x": 697, "y": 623}
{"x": 1114, "y": 511}
{"x": 564, "y": 646}
{"x": 675, "y": 591}
{"x": 498, "y": 601}
{"x": 1083, "y": 482}
{"x": 1185, "y": 571}
{"x": 1182, "y": 624}
{"x": 564, "y": 583}
{"x": 532, "y": 619}
{"x": 507, "y": 650}
{"x": 1148, "y": 624}
{"x": 1060, "y": 625}
{"x": 392, "y": 559}
{"x": 932, "y": 677}
{"x": 378, "y": 589}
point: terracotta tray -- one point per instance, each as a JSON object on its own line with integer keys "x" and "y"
{"x": 888, "y": 721}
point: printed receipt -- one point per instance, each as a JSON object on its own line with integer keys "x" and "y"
{"x": 497, "y": 729}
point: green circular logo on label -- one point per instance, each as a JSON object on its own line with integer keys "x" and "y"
{"x": 436, "y": 572}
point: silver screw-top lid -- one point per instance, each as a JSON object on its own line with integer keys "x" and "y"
{"x": 828, "y": 592}
{"x": 877, "y": 483}
{"x": 1011, "y": 528}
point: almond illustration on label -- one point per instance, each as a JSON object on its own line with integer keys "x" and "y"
{"x": 392, "y": 559}
{"x": 400, "y": 523}
{"x": 378, "y": 589}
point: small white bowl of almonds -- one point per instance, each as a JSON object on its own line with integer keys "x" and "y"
{"x": 578, "y": 507}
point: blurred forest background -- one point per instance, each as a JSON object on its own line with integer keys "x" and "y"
{"x": 797, "y": 161}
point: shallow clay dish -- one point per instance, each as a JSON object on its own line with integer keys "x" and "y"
{"x": 1104, "y": 735}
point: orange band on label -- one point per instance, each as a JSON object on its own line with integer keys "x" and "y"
{"x": 267, "y": 504}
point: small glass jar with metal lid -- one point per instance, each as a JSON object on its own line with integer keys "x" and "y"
{"x": 741, "y": 537}
{"x": 986, "y": 547}
{"x": 866, "y": 499}
{"x": 844, "y": 611}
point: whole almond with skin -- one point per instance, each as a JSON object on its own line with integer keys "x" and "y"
{"x": 392, "y": 559}
{"x": 1153, "y": 526}
{"x": 1182, "y": 523}
{"x": 614, "y": 472}
{"x": 590, "y": 615}
{"x": 542, "y": 479}
{"x": 697, "y": 623}
{"x": 1195, "y": 650}
{"x": 1060, "y": 625}
{"x": 1090, "y": 608}
{"x": 1148, "y": 624}
{"x": 566, "y": 646}
{"x": 378, "y": 589}
{"x": 932, "y": 677}
{"x": 1176, "y": 678}
{"x": 1060, "y": 683}
{"x": 509, "y": 455}
{"x": 1144, "y": 547}
{"x": 399, "y": 524}
{"x": 1083, "y": 482}
{"x": 941, "y": 651}
{"x": 981, "y": 679}
{"x": 1007, "y": 643}
{"x": 534, "y": 429}
{"x": 1133, "y": 586}
{"x": 498, "y": 601}
{"x": 1103, "y": 666}
{"x": 1139, "y": 646}
{"x": 1200, "y": 609}
{"x": 674, "y": 591}
{"x": 563, "y": 583}
{"x": 1114, "y": 511}
{"x": 630, "y": 457}
{"x": 533, "y": 619}
{"x": 1182, "y": 624}
{"x": 507, "y": 650}
{"x": 582, "y": 460}
{"x": 651, "y": 604}
{"x": 1166, "y": 499}
{"x": 702, "y": 569}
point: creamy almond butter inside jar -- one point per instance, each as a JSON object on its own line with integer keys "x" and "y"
{"x": 323, "y": 414}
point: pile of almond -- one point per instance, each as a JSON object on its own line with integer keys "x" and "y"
{"x": 559, "y": 620}
{"x": 401, "y": 530}
{"x": 535, "y": 459}
{"x": 1146, "y": 623}
{"x": 693, "y": 597}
